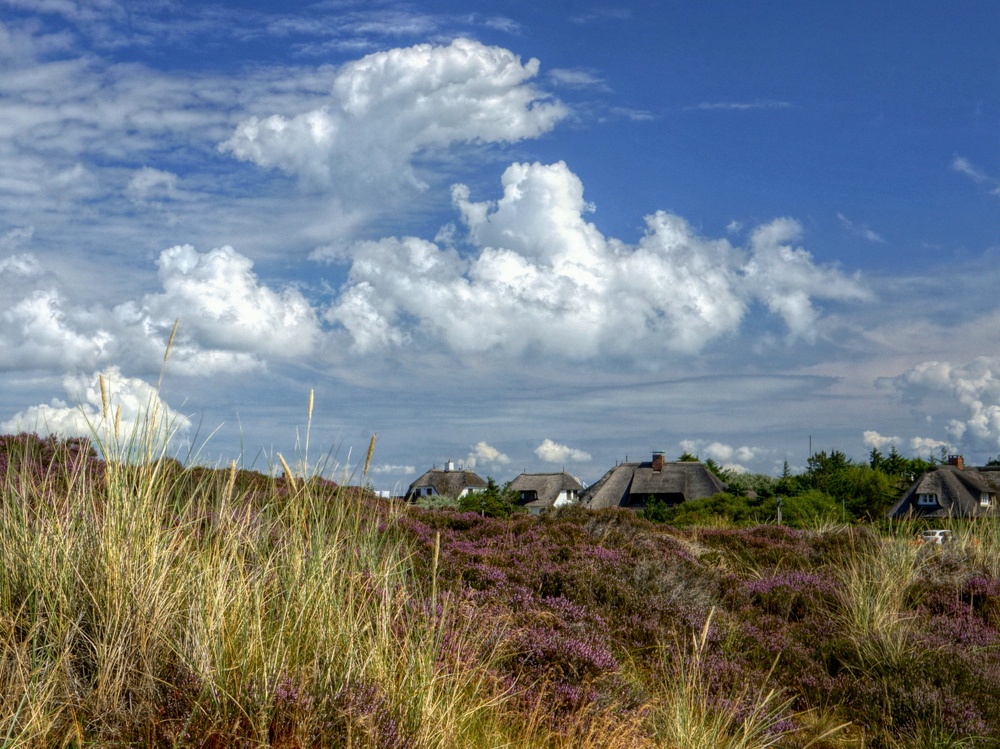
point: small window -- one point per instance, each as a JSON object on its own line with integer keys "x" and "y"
{"x": 927, "y": 499}
{"x": 985, "y": 499}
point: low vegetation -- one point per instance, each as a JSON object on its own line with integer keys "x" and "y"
{"x": 145, "y": 603}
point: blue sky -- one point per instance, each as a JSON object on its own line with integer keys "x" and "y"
{"x": 521, "y": 236}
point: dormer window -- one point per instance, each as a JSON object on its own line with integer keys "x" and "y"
{"x": 927, "y": 499}
{"x": 985, "y": 499}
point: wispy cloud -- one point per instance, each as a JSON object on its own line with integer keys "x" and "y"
{"x": 394, "y": 469}
{"x": 861, "y": 230}
{"x": 977, "y": 175}
{"x": 502, "y": 23}
{"x": 578, "y": 78}
{"x": 636, "y": 115}
{"x": 602, "y": 14}
{"x": 739, "y": 106}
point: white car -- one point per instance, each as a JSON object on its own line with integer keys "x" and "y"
{"x": 938, "y": 537}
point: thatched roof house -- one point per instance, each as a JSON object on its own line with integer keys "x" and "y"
{"x": 633, "y": 484}
{"x": 445, "y": 481}
{"x": 543, "y": 491}
{"x": 951, "y": 490}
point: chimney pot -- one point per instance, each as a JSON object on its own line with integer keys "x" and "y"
{"x": 957, "y": 461}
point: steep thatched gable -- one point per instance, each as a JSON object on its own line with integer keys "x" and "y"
{"x": 540, "y": 491}
{"x": 632, "y": 484}
{"x": 950, "y": 491}
{"x": 450, "y": 483}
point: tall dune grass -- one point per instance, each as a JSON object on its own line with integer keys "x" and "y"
{"x": 874, "y": 583}
{"x": 141, "y": 602}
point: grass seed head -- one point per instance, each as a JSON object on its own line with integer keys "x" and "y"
{"x": 104, "y": 396}
{"x": 288, "y": 471}
{"x": 368, "y": 457}
{"x": 170, "y": 341}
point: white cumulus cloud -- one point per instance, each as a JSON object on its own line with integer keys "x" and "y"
{"x": 229, "y": 320}
{"x": 553, "y": 452}
{"x": 82, "y": 413}
{"x": 544, "y": 279}
{"x": 975, "y": 387}
{"x": 37, "y": 332}
{"x": 729, "y": 457}
{"x": 223, "y": 306}
{"x": 484, "y": 453}
{"x": 927, "y": 446}
{"x": 390, "y": 107}
{"x": 879, "y": 442}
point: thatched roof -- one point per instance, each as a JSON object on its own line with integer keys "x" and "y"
{"x": 631, "y": 484}
{"x": 546, "y": 487}
{"x": 448, "y": 483}
{"x": 958, "y": 493}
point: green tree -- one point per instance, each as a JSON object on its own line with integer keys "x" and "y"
{"x": 864, "y": 491}
{"x": 760, "y": 484}
{"x": 494, "y": 501}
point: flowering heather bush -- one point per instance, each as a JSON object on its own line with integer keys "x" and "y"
{"x": 295, "y": 712}
{"x": 45, "y": 469}
{"x": 780, "y": 610}
{"x": 793, "y": 595}
{"x": 761, "y": 547}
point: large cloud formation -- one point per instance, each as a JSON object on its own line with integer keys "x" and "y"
{"x": 542, "y": 278}
{"x": 389, "y": 107}
{"x": 131, "y": 402}
{"x": 975, "y": 386}
{"x": 229, "y": 320}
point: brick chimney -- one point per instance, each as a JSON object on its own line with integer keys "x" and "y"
{"x": 957, "y": 461}
{"x": 658, "y": 460}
